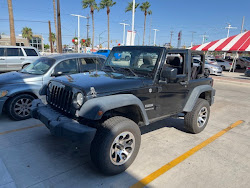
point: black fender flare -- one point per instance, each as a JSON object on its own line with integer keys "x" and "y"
{"x": 195, "y": 95}
{"x": 91, "y": 108}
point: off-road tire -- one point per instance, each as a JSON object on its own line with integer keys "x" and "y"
{"x": 101, "y": 145}
{"x": 11, "y": 105}
{"x": 191, "y": 118}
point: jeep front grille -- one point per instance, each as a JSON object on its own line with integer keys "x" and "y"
{"x": 60, "y": 98}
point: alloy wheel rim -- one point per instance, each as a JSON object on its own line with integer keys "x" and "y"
{"x": 22, "y": 107}
{"x": 122, "y": 148}
{"x": 202, "y": 117}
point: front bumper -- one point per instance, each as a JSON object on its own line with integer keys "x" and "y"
{"x": 216, "y": 72}
{"x": 2, "y": 102}
{"x": 60, "y": 125}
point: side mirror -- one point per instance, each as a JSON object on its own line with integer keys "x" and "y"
{"x": 169, "y": 74}
{"x": 55, "y": 74}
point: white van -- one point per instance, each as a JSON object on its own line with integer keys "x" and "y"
{"x": 13, "y": 58}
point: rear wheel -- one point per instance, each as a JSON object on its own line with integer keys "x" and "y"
{"x": 115, "y": 145}
{"x": 127, "y": 58}
{"x": 238, "y": 67}
{"x": 18, "y": 108}
{"x": 197, "y": 119}
{"x": 25, "y": 66}
{"x": 223, "y": 67}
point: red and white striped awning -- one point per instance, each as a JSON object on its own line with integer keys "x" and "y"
{"x": 236, "y": 43}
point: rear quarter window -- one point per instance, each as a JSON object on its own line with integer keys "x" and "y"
{"x": 30, "y": 52}
{"x": 14, "y": 52}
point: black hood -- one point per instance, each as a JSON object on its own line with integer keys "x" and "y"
{"x": 17, "y": 77}
{"x": 102, "y": 82}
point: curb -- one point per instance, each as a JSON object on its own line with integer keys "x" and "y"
{"x": 231, "y": 80}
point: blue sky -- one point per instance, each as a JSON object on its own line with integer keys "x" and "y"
{"x": 168, "y": 15}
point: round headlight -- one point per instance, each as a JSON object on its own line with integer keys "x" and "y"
{"x": 50, "y": 87}
{"x": 79, "y": 99}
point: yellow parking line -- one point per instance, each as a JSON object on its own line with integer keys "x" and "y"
{"x": 21, "y": 129}
{"x": 181, "y": 158}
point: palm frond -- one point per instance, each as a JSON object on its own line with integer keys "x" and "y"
{"x": 130, "y": 6}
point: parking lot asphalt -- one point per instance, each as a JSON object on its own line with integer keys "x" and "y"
{"x": 31, "y": 157}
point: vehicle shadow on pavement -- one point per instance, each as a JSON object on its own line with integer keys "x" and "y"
{"x": 169, "y": 122}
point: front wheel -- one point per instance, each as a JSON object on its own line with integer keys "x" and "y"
{"x": 115, "y": 145}
{"x": 18, "y": 108}
{"x": 196, "y": 120}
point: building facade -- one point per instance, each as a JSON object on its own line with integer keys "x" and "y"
{"x": 20, "y": 41}
{"x": 36, "y": 41}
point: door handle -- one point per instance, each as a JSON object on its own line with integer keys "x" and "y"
{"x": 2, "y": 59}
{"x": 22, "y": 58}
{"x": 183, "y": 83}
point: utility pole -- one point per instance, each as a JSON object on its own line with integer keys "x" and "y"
{"x": 171, "y": 36}
{"x": 133, "y": 22}
{"x": 124, "y": 30}
{"x": 155, "y": 36}
{"x": 242, "y": 26}
{"x": 193, "y": 32}
{"x": 204, "y": 38}
{"x": 100, "y": 39}
{"x": 59, "y": 27}
{"x": 79, "y": 42}
{"x": 50, "y": 39}
{"x": 54, "y": 7}
{"x": 228, "y": 29}
{"x": 87, "y": 29}
{"x": 12, "y": 26}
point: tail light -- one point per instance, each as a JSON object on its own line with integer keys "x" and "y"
{"x": 214, "y": 63}
{"x": 248, "y": 68}
{"x": 230, "y": 63}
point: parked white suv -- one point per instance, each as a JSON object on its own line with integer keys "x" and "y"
{"x": 13, "y": 58}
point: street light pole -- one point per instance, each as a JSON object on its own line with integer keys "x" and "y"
{"x": 155, "y": 36}
{"x": 133, "y": 22}
{"x": 124, "y": 30}
{"x": 193, "y": 32}
{"x": 228, "y": 30}
{"x": 78, "y": 16}
{"x": 229, "y": 27}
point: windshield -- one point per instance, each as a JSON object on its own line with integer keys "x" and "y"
{"x": 219, "y": 60}
{"x": 248, "y": 58}
{"x": 102, "y": 51}
{"x": 39, "y": 67}
{"x": 142, "y": 60}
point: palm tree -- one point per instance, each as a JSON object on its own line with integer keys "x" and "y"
{"x": 130, "y": 6}
{"x": 53, "y": 37}
{"x": 144, "y": 8}
{"x": 12, "y": 26}
{"x": 107, "y": 4}
{"x": 54, "y": 8}
{"x": 27, "y": 33}
{"x": 93, "y": 6}
{"x": 149, "y": 39}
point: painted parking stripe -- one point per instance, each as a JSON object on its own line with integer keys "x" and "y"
{"x": 181, "y": 158}
{"x": 21, "y": 129}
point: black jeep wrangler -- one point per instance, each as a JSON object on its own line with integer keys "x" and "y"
{"x": 107, "y": 108}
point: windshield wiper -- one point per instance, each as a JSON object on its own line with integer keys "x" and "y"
{"x": 127, "y": 68}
